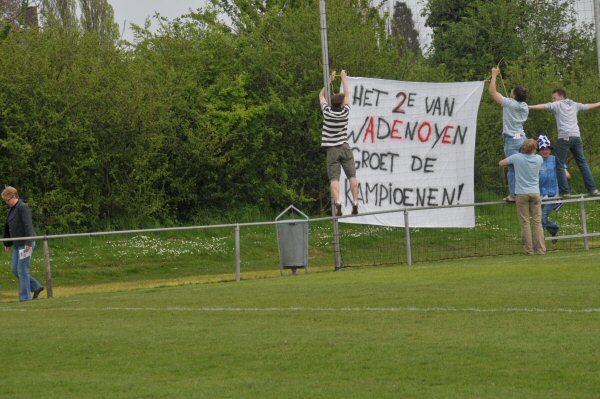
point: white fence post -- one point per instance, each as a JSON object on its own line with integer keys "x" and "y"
{"x": 237, "y": 253}
{"x": 49, "y": 290}
{"x": 586, "y": 241}
{"x": 407, "y": 235}
{"x": 337, "y": 251}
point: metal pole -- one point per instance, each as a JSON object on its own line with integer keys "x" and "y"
{"x": 325, "y": 52}
{"x": 390, "y": 17}
{"x": 49, "y": 290}
{"x": 336, "y": 245}
{"x": 597, "y": 26}
{"x": 325, "y": 49}
{"x": 237, "y": 253}
{"x": 407, "y": 236}
{"x": 586, "y": 242}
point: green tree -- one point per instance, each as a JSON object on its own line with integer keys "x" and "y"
{"x": 98, "y": 16}
{"x": 60, "y": 12}
{"x": 471, "y": 36}
{"x": 403, "y": 26}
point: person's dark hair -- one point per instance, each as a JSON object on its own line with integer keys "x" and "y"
{"x": 520, "y": 93}
{"x": 529, "y": 146}
{"x": 337, "y": 100}
{"x": 560, "y": 92}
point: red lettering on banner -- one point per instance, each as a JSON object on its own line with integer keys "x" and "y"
{"x": 370, "y": 131}
{"x": 426, "y": 138}
{"x": 447, "y": 137}
{"x": 395, "y": 130}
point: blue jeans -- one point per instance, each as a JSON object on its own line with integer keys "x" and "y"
{"x": 561, "y": 150}
{"x": 20, "y": 268}
{"x": 511, "y": 147}
{"x": 549, "y": 225}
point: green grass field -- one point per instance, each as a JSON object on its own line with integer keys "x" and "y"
{"x": 495, "y": 327}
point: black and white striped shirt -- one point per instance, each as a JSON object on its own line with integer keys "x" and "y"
{"x": 335, "y": 126}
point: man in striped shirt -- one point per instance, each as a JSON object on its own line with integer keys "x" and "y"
{"x": 335, "y": 139}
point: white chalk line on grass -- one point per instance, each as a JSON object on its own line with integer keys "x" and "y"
{"x": 552, "y": 257}
{"x": 308, "y": 309}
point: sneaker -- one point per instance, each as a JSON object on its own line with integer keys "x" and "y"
{"x": 338, "y": 209}
{"x": 553, "y": 234}
{"x": 36, "y": 293}
{"x": 355, "y": 209}
{"x": 595, "y": 193}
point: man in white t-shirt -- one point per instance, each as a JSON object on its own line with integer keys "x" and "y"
{"x": 569, "y": 139}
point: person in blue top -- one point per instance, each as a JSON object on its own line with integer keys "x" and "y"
{"x": 548, "y": 183}
{"x": 529, "y": 203}
{"x": 514, "y": 114}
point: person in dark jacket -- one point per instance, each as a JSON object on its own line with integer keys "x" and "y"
{"x": 20, "y": 224}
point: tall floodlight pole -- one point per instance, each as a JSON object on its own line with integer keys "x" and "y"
{"x": 597, "y": 25}
{"x": 336, "y": 236}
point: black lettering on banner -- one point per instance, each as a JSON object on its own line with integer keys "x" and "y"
{"x": 386, "y": 194}
{"x": 419, "y": 164}
{"x": 383, "y": 161}
{"x": 382, "y": 122}
{"x": 364, "y": 97}
{"x": 436, "y": 107}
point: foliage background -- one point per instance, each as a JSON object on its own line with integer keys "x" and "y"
{"x": 206, "y": 120}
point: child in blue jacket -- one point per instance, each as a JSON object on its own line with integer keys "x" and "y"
{"x": 548, "y": 183}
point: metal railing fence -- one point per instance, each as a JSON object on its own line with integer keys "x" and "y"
{"x": 496, "y": 233}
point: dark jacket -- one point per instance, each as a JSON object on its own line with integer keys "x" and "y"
{"x": 19, "y": 224}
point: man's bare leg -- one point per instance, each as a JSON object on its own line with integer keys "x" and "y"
{"x": 354, "y": 190}
{"x": 335, "y": 196}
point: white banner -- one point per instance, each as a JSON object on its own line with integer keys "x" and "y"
{"x": 414, "y": 146}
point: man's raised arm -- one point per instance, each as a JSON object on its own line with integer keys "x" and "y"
{"x": 593, "y": 105}
{"x": 493, "y": 92}
{"x": 540, "y": 107}
{"x": 345, "y": 85}
{"x": 322, "y": 98}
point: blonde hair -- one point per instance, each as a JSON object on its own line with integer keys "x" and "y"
{"x": 9, "y": 192}
{"x": 529, "y": 146}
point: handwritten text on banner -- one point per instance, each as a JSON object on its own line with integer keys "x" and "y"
{"x": 414, "y": 146}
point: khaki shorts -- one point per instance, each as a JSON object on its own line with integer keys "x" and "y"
{"x": 339, "y": 157}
